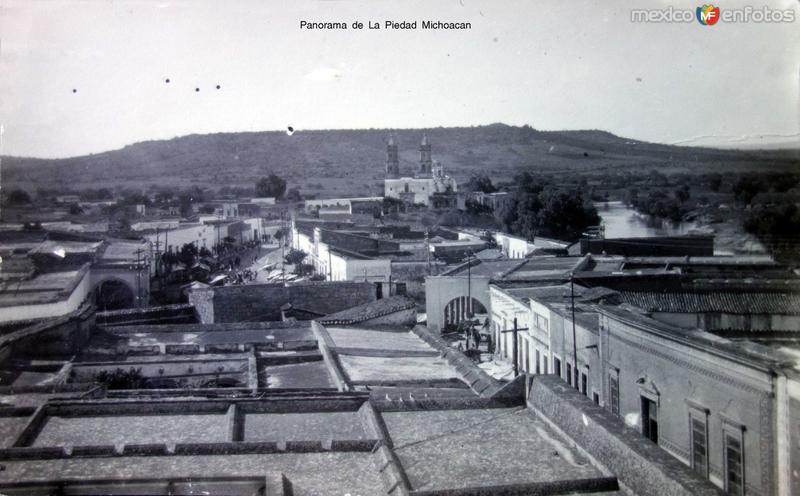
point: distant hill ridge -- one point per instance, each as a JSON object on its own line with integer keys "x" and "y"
{"x": 352, "y": 160}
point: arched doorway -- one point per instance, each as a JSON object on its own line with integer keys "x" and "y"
{"x": 113, "y": 294}
{"x": 458, "y": 309}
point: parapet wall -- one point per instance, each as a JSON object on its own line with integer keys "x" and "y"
{"x": 640, "y": 466}
{"x": 260, "y": 302}
{"x": 58, "y": 337}
{"x": 478, "y": 380}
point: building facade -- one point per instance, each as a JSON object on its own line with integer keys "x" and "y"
{"x": 719, "y": 407}
{"x": 419, "y": 189}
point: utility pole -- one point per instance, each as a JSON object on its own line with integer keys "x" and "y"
{"x": 158, "y": 258}
{"x": 469, "y": 285}
{"x": 428, "y": 250}
{"x": 219, "y": 223}
{"x": 515, "y": 333}
{"x": 138, "y": 252}
{"x": 574, "y": 340}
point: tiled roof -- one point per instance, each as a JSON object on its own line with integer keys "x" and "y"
{"x": 720, "y": 301}
{"x": 369, "y": 311}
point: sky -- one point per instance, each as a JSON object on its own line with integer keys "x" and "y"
{"x": 553, "y": 65}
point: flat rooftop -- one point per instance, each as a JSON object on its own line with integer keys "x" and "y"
{"x": 457, "y": 449}
{"x": 44, "y": 288}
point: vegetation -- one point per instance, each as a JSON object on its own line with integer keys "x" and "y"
{"x": 18, "y": 197}
{"x": 295, "y": 257}
{"x": 293, "y": 195}
{"x": 348, "y": 162}
{"x": 480, "y": 182}
{"x": 122, "y": 379}
{"x": 541, "y": 208}
{"x": 188, "y": 254}
{"x": 271, "y": 186}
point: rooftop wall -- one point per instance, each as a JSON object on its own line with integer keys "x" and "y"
{"x": 695, "y": 246}
{"x": 262, "y": 302}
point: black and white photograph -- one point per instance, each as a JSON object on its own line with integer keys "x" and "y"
{"x": 399, "y": 247}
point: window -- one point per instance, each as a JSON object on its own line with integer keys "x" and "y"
{"x": 557, "y": 366}
{"x": 650, "y": 419}
{"x": 733, "y": 449}
{"x": 538, "y": 370}
{"x": 613, "y": 392}
{"x": 544, "y": 364}
{"x": 584, "y": 384}
{"x": 540, "y": 322}
{"x": 699, "y": 443}
{"x": 569, "y": 374}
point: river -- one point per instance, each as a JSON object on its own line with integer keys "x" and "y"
{"x": 622, "y": 221}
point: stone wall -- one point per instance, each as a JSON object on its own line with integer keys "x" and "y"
{"x": 203, "y": 301}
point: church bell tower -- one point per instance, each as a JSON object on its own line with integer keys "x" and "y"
{"x": 392, "y": 161}
{"x": 425, "y": 162}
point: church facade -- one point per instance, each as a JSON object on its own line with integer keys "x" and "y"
{"x": 429, "y": 186}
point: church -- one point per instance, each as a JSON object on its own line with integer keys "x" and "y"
{"x": 429, "y": 185}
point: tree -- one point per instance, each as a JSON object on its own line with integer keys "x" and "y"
{"x": 747, "y": 187}
{"x": 682, "y": 193}
{"x": 271, "y": 186}
{"x": 714, "y": 181}
{"x": 303, "y": 269}
{"x": 391, "y": 205}
{"x": 480, "y": 182}
{"x": 185, "y": 204}
{"x": 295, "y": 256}
{"x": 18, "y": 197}
{"x": 188, "y": 254}
{"x": 476, "y": 208}
{"x": 559, "y": 214}
{"x": 294, "y": 195}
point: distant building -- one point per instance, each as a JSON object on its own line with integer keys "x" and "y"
{"x": 359, "y": 205}
{"x": 516, "y": 247}
{"x": 68, "y": 199}
{"x": 428, "y": 180}
{"x": 496, "y": 201}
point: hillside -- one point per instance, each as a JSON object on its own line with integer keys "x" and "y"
{"x": 351, "y": 162}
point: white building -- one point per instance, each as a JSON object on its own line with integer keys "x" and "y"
{"x": 516, "y": 247}
{"x": 337, "y": 264}
{"x": 429, "y": 179}
{"x": 46, "y": 295}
